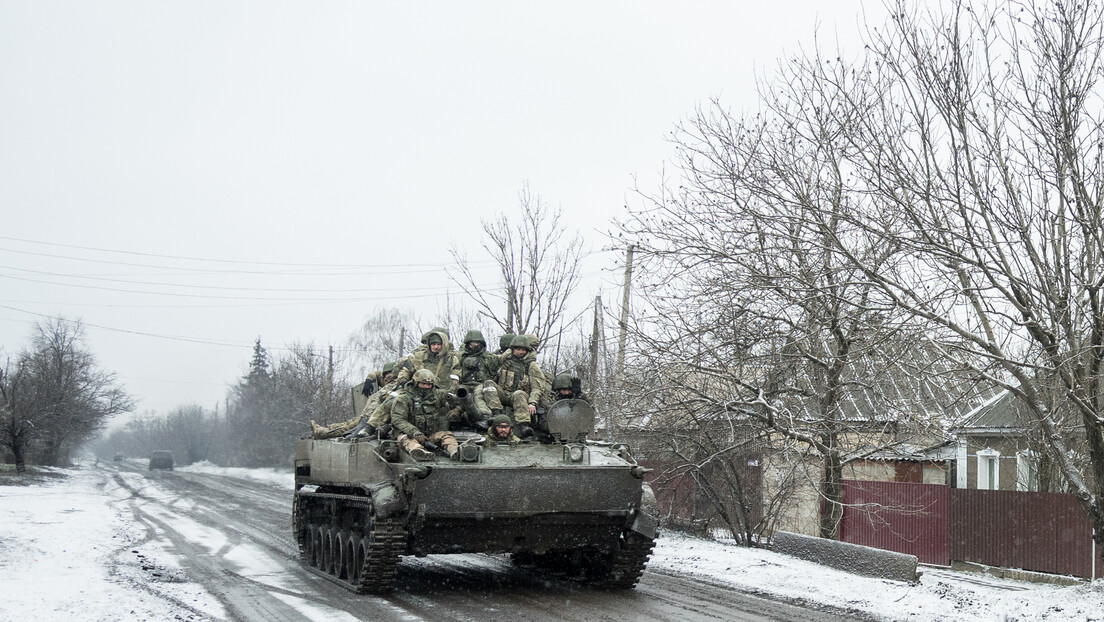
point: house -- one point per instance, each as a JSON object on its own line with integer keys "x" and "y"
{"x": 992, "y": 447}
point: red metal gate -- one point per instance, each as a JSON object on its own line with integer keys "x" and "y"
{"x": 1044, "y": 532}
{"x": 894, "y": 516}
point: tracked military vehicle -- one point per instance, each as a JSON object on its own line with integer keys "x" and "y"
{"x": 560, "y": 503}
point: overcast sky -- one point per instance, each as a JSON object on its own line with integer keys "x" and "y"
{"x": 187, "y": 176}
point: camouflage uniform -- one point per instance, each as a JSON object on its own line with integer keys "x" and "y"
{"x": 421, "y": 415}
{"x": 566, "y": 381}
{"x": 477, "y": 370}
{"x": 443, "y": 364}
{"x": 490, "y": 440}
{"x": 520, "y": 380}
{"x": 384, "y": 379}
{"x": 381, "y": 415}
{"x": 386, "y": 382}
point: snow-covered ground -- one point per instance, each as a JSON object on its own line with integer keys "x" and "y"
{"x": 67, "y": 552}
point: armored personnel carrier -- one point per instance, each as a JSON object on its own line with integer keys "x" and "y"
{"x": 561, "y": 503}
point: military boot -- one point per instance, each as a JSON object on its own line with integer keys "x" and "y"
{"x": 420, "y": 454}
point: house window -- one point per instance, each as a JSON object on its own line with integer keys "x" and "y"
{"x": 1027, "y": 471}
{"x": 988, "y": 473}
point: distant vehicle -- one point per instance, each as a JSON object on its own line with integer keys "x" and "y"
{"x": 161, "y": 459}
{"x": 119, "y": 456}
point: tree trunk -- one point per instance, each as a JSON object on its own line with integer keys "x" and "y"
{"x": 832, "y": 508}
{"x": 17, "y": 451}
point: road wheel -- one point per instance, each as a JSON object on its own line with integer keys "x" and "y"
{"x": 341, "y": 555}
{"x": 310, "y": 545}
{"x": 327, "y": 550}
{"x": 357, "y": 558}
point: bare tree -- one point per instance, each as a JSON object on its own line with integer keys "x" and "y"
{"x": 59, "y": 397}
{"x": 538, "y": 264}
{"x": 983, "y": 162}
{"x": 386, "y": 336}
{"x": 753, "y": 314}
{"x": 15, "y": 430}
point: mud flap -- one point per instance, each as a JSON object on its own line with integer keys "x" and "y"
{"x": 387, "y": 500}
{"x": 645, "y": 524}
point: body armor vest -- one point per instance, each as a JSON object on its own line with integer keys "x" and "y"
{"x": 514, "y": 375}
{"x": 474, "y": 369}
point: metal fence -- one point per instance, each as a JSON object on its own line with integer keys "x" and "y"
{"x": 893, "y": 516}
{"x": 1043, "y": 532}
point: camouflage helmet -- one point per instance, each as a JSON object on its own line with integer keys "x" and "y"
{"x": 474, "y": 335}
{"x": 505, "y": 341}
{"x": 562, "y": 381}
{"x": 424, "y": 375}
{"x": 521, "y": 341}
{"x": 501, "y": 419}
{"x": 435, "y": 329}
{"x": 389, "y": 367}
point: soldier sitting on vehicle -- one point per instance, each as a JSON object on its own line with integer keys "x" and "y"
{"x": 421, "y": 415}
{"x": 384, "y": 381}
{"x": 477, "y": 368}
{"x": 567, "y": 387}
{"x": 501, "y": 431}
{"x": 520, "y": 383}
{"x": 437, "y": 356}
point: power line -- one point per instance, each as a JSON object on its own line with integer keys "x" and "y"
{"x": 381, "y": 297}
{"x": 209, "y": 260}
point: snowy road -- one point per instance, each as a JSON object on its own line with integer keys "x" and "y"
{"x": 232, "y": 538}
{"x": 117, "y": 543}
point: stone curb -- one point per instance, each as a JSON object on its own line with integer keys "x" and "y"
{"x": 853, "y": 558}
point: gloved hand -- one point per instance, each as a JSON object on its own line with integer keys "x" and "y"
{"x": 453, "y": 415}
{"x": 421, "y": 438}
{"x": 524, "y": 430}
{"x": 368, "y": 388}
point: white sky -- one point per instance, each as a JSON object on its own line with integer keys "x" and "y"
{"x": 213, "y": 154}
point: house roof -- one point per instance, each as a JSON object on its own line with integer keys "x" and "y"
{"x": 998, "y": 415}
{"x": 909, "y": 452}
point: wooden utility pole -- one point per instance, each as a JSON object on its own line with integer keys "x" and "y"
{"x": 592, "y": 369}
{"x": 623, "y": 324}
{"x": 622, "y": 337}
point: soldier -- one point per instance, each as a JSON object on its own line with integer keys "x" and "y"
{"x": 566, "y": 387}
{"x": 521, "y": 382}
{"x": 378, "y": 385}
{"x": 501, "y": 431}
{"x": 477, "y": 370}
{"x": 384, "y": 382}
{"x": 421, "y": 414}
{"x": 381, "y": 415}
{"x": 376, "y": 380}
{"x": 534, "y": 343}
{"x": 504, "y": 343}
{"x": 437, "y": 356}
